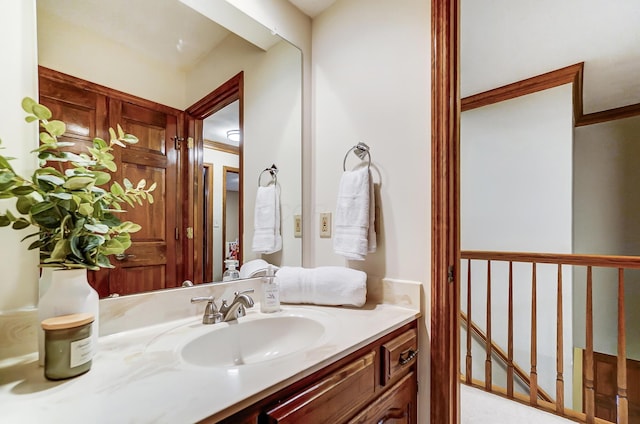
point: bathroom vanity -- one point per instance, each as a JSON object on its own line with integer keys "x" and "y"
{"x": 305, "y": 364}
{"x": 376, "y": 384}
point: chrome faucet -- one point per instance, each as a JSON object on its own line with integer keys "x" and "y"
{"x": 237, "y": 309}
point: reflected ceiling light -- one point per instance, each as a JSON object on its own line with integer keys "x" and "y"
{"x": 233, "y": 135}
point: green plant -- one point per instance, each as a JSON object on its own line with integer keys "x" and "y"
{"x": 75, "y": 216}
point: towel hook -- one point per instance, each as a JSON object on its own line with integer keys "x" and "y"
{"x": 361, "y": 150}
{"x": 273, "y": 170}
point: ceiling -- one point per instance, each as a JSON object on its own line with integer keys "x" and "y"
{"x": 312, "y": 8}
{"x": 215, "y": 126}
{"x": 176, "y": 36}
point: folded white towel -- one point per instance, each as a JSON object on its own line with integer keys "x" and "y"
{"x": 355, "y": 234}
{"x": 266, "y": 235}
{"x": 326, "y": 285}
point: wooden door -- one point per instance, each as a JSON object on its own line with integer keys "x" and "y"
{"x": 606, "y": 389}
{"x": 150, "y": 262}
{"x": 89, "y": 110}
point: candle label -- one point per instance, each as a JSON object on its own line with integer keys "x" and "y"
{"x": 81, "y": 352}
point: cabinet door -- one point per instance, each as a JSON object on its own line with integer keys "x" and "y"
{"x": 396, "y": 406}
{"x": 332, "y": 399}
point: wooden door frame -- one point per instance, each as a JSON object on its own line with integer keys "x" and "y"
{"x": 445, "y": 221}
{"x": 227, "y": 93}
{"x": 208, "y": 250}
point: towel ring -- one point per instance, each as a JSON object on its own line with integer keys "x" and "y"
{"x": 361, "y": 150}
{"x": 273, "y": 170}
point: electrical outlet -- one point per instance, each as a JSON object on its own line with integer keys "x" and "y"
{"x": 297, "y": 226}
{"x": 325, "y": 225}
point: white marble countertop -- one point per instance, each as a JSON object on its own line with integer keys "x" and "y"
{"x": 138, "y": 376}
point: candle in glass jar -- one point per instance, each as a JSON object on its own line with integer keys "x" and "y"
{"x": 68, "y": 346}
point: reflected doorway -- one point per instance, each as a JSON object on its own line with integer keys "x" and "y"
{"x": 231, "y": 214}
{"x": 215, "y": 122}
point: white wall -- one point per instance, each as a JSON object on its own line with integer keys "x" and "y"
{"x": 219, "y": 160}
{"x": 371, "y": 70}
{"x": 18, "y": 48}
{"x": 606, "y": 204}
{"x": 516, "y": 195}
{"x": 84, "y": 54}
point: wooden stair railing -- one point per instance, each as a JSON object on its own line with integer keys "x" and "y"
{"x": 497, "y": 350}
{"x": 535, "y": 397}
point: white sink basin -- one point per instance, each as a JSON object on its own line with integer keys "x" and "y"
{"x": 250, "y": 342}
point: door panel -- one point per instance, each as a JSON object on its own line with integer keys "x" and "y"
{"x": 153, "y": 159}
{"x": 89, "y": 110}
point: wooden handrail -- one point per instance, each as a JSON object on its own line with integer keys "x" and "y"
{"x": 537, "y": 397}
{"x": 497, "y": 350}
{"x": 630, "y": 262}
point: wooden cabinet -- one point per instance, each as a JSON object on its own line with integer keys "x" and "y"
{"x": 376, "y": 384}
{"x": 332, "y": 399}
{"x": 396, "y": 406}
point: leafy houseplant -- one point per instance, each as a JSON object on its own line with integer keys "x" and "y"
{"x": 69, "y": 204}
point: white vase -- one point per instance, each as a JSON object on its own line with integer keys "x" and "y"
{"x": 69, "y": 292}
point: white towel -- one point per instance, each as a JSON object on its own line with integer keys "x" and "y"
{"x": 327, "y": 285}
{"x": 266, "y": 235}
{"x": 355, "y": 234}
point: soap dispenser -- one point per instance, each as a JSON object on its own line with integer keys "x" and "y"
{"x": 231, "y": 273}
{"x": 270, "y": 294}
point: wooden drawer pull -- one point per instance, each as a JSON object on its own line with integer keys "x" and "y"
{"x": 407, "y": 356}
{"x": 393, "y": 414}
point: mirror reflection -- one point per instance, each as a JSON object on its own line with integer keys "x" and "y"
{"x": 174, "y": 61}
{"x": 221, "y": 179}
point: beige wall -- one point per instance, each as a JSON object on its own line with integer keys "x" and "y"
{"x": 371, "y": 70}
{"x": 516, "y": 195}
{"x": 607, "y": 201}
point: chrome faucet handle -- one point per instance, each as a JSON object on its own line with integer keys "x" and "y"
{"x": 211, "y": 313}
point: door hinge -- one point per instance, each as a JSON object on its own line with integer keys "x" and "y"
{"x": 190, "y": 143}
{"x": 177, "y": 233}
{"x": 176, "y": 142}
{"x": 450, "y": 274}
{"x": 190, "y": 233}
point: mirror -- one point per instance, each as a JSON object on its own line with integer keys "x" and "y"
{"x": 595, "y": 198}
{"x": 176, "y": 59}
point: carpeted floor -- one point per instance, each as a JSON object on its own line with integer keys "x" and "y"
{"x": 480, "y": 407}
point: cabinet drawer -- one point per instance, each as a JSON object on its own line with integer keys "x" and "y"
{"x": 332, "y": 399}
{"x": 395, "y": 406}
{"x": 398, "y": 355}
